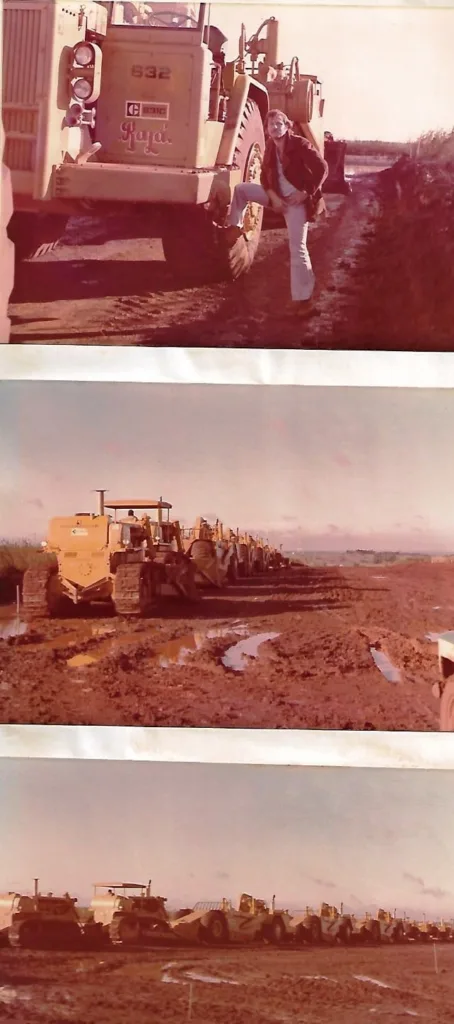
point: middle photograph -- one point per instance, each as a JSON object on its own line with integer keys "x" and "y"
{"x": 220, "y": 556}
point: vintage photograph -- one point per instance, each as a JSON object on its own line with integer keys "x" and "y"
{"x": 298, "y": 894}
{"x": 226, "y": 556}
{"x": 228, "y": 175}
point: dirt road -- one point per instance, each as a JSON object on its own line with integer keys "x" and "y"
{"x": 266, "y": 986}
{"x": 318, "y": 672}
{"x": 105, "y": 287}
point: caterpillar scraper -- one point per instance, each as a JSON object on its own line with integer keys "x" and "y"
{"x": 329, "y": 925}
{"x": 220, "y": 923}
{"x": 130, "y": 562}
{"x": 40, "y": 921}
{"x": 115, "y": 107}
{"x": 382, "y": 927}
{"x": 127, "y": 914}
{"x": 214, "y": 552}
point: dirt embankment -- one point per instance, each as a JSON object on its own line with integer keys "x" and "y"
{"x": 317, "y": 673}
{"x": 265, "y": 986}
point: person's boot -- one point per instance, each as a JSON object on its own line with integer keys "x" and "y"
{"x": 232, "y": 234}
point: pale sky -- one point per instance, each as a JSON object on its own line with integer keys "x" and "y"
{"x": 388, "y": 72}
{"x": 364, "y": 836}
{"x": 315, "y": 468}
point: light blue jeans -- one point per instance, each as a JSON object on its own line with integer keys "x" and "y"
{"x": 302, "y": 279}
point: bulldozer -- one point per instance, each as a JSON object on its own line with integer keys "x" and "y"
{"x": 129, "y": 562}
{"x": 133, "y": 108}
{"x": 40, "y": 921}
{"x": 330, "y": 925}
{"x": 214, "y": 552}
{"x": 127, "y": 913}
{"x": 219, "y": 923}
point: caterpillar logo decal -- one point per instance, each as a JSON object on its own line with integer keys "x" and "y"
{"x": 144, "y": 109}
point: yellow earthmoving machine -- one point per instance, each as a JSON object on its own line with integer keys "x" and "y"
{"x": 40, "y": 921}
{"x": 329, "y": 925}
{"x": 380, "y": 927}
{"x": 214, "y": 553}
{"x": 124, "y": 107}
{"x": 213, "y": 923}
{"x": 130, "y": 562}
{"x": 128, "y": 914}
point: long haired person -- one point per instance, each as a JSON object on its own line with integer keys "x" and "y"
{"x": 291, "y": 179}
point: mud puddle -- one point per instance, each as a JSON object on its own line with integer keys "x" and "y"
{"x": 385, "y": 666}
{"x": 371, "y": 981}
{"x": 236, "y": 657}
{"x": 11, "y": 627}
{"x": 172, "y": 652}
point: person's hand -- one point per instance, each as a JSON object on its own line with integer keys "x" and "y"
{"x": 297, "y": 198}
{"x": 276, "y": 203}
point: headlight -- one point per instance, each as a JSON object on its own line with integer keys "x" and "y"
{"x": 84, "y": 54}
{"x": 82, "y": 89}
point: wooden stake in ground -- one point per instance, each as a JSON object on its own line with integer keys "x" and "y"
{"x": 190, "y": 1001}
{"x": 435, "y": 959}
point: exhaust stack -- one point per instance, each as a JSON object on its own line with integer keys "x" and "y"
{"x": 101, "y": 495}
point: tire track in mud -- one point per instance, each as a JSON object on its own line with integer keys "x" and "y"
{"x": 111, "y": 291}
{"x": 317, "y": 673}
{"x": 269, "y": 985}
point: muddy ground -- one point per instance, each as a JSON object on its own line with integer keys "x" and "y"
{"x": 317, "y": 673}
{"x": 378, "y": 284}
{"x": 260, "y": 986}
{"x": 105, "y": 286}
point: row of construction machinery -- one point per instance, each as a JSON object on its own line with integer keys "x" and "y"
{"x": 128, "y": 914}
{"x": 134, "y": 108}
{"x": 134, "y": 562}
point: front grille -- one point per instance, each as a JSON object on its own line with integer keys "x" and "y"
{"x": 22, "y": 29}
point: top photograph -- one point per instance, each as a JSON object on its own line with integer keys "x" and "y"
{"x": 227, "y": 175}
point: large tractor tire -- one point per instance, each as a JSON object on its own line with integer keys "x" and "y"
{"x": 447, "y": 706}
{"x": 315, "y": 931}
{"x": 216, "y": 930}
{"x": 40, "y": 594}
{"x": 134, "y": 592}
{"x": 275, "y": 932}
{"x": 194, "y": 246}
{"x": 35, "y": 234}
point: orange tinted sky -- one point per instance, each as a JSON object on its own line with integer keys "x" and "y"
{"x": 388, "y": 72}
{"x": 312, "y": 467}
{"x": 364, "y": 836}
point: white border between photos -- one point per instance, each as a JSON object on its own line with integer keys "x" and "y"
{"x": 231, "y": 746}
{"x": 314, "y": 368}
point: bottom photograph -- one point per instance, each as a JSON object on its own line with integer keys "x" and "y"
{"x": 135, "y": 891}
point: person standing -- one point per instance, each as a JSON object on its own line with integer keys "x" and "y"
{"x": 292, "y": 175}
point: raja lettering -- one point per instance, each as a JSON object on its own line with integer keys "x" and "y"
{"x": 130, "y": 136}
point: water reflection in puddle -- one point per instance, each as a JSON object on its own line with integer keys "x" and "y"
{"x": 386, "y": 667}
{"x": 235, "y": 656}
{"x": 12, "y": 627}
{"x": 372, "y": 981}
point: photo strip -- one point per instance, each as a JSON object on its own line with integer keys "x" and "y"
{"x": 271, "y": 176}
{"x": 226, "y": 557}
{"x": 307, "y": 894}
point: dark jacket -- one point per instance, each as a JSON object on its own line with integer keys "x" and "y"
{"x": 302, "y": 166}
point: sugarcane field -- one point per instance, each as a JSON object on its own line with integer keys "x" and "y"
{"x": 119, "y": 176}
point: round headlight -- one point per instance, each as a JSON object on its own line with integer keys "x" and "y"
{"x": 84, "y": 54}
{"x": 82, "y": 89}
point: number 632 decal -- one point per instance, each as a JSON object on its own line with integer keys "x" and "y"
{"x": 150, "y": 71}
